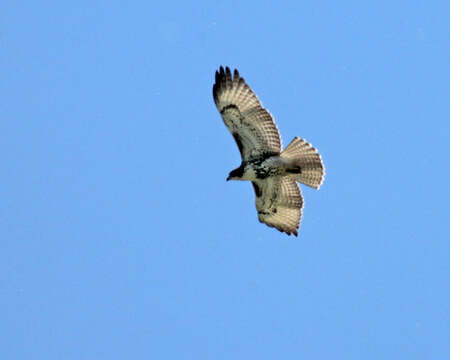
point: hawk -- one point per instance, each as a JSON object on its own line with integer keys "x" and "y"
{"x": 273, "y": 172}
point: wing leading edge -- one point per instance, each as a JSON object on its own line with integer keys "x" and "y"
{"x": 251, "y": 125}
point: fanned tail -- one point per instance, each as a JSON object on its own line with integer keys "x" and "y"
{"x": 304, "y": 161}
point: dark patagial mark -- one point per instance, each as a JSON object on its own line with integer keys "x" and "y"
{"x": 238, "y": 140}
{"x": 228, "y": 107}
{"x": 257, "y": 189}
{"x": 272, "y": 212}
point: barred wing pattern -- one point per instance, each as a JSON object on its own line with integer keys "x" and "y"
{"x": 272, "y": 172}
{"x": 279, "y": 203}
{"x": 251, "y": 125}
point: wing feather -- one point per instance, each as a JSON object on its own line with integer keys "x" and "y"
{"x": 279, "y": 203}
{"x": 251, "y": 125}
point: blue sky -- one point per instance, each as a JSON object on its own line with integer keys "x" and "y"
{"x": 121, "y": 238}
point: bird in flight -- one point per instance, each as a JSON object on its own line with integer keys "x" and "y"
{"x": 273, "y": 172}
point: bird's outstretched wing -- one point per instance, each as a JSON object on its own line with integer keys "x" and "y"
{"x": 279, "y": 203}
{"x": 251, "y": 125}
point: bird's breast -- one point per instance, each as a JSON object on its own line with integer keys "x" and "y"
{"x": 257, "y": 172}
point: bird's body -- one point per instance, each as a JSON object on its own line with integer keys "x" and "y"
{"x": 262, "y": 168}
{"x": 272, "y": 171}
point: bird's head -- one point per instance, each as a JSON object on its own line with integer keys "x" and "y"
{"x": 236, "y": 174}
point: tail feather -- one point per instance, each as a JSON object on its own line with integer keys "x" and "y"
{"x": 306, "y": 162}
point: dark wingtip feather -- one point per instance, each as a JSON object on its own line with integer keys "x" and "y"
{"x": 220, "y": 79}
{"x": 287, "y": 232}
{"x": 228, "y": 78}
{"x": 215, "y": 93}
{"x": 217, "y": 76}
{"x": 224, "y": 74}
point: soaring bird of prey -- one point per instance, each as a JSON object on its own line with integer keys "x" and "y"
{"x": 273, "y": 172}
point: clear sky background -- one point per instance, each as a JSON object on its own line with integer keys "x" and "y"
{"x": 121, "y": 239}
